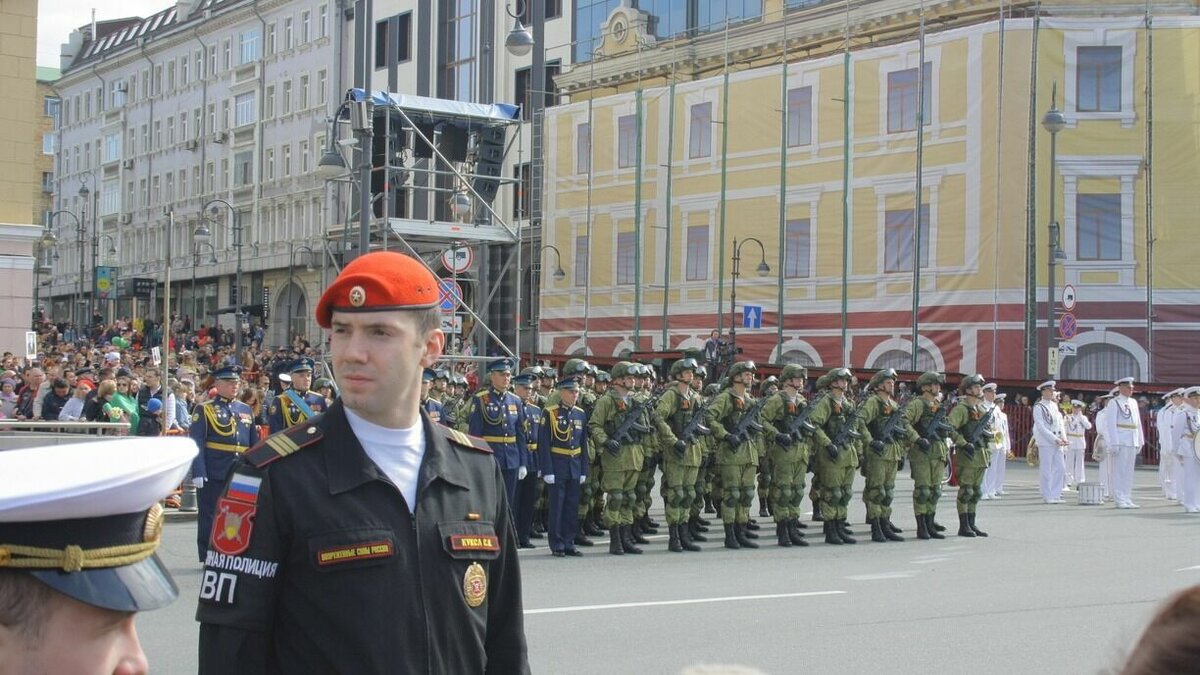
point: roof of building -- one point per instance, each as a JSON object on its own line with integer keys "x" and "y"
{"x": 45, "y": 74}
{"x": 115, "y": 34}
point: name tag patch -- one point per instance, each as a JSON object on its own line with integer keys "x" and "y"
{"x": 353, "y": 552}
{"x": 473, "y": 542}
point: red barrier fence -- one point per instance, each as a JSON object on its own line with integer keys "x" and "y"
{"x": 1020, "y": 426}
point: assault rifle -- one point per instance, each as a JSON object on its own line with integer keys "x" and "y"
{"x": 847, "y": 433}
{"x": 977, "y": 433}
{"x": 798, "y": 427}
{"x": 932, "y": 430}
{"x": 632, "y": 423}
{"x": 892, "y": 426}
{"x": 749, "y": 422}
{"x": 695, "y": 425}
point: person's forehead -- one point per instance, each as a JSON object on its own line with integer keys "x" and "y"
{"x": 370, "y": 319}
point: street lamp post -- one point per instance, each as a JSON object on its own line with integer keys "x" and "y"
{"x": 308, "y": 267}
{"x": 79, "y": 236}
{"x": 198, "y": 246}
{"x": 47, "y": 241}
{"x": 558, "y": 275}
{"x": 85, "y": 193}
{"x": 763, "y": 270}
{"x": 1052, "y": 122}
{"x": 201, "y": 235}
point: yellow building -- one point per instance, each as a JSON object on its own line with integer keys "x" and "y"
{"x": 18, "y": 143}
{"x": 797, "y": 131}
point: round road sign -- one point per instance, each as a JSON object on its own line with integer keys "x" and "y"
{"x": 1067, "y": 326}
{"x": 458, "y": 260}
{"x": 1068, "y": 297}
{"x": 450, "y": 294}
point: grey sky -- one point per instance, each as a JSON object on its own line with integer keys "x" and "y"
{"x": 57, "y": 18}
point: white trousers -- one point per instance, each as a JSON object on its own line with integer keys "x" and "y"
{"x": 993, "y": 478}
{"x": 1189, "y": 481}
{"x": 1168, "y": 474}
{"x": 1053, "y": 470}
{"x": 1074, "y": 462}
{"x": 1123, "y": 458}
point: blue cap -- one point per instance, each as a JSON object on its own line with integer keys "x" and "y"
{"x": 500, "y": 366}
{"x": 153, "y": 405}
{"x": 230, "y": 372}
{"x": 570, "y": 384}
{"x": 301, "y": 365}
{"x": 523, "y": 380}
{"x": 427, "y": 375}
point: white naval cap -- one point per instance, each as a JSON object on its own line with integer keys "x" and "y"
{"x": 1192, "y": 391}
{"x": 85, "y": 519}
{"x": 1048, "y": 384}
{"x": 1124, "y": 380}
{"x": 1001, "y": 397}
{"x": 1113, "y": 392}
{"x": 1174, "y": 392}
{"x": 990, "y": 386}
{"x": 1077, "y": 403}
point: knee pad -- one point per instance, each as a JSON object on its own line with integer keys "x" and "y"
{"x": 835, "y": 495}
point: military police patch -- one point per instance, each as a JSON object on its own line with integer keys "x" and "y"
{"x": 475, "y": 585}
{"x": 232, "y": 526}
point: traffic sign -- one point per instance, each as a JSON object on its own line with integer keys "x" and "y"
{"x": 1052, "y": 361}
{"x": 452, "y": 323}
{"x": 1068, "y": 327}
{"x": 458, "y": 260}
{"x": 1068, "y": 349}
{"x": 450, "y": 294}
{"x": 1068, "y": 298}
{"x": 751, "y": 316}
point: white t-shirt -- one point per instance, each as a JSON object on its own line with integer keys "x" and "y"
{"x": 397, "y": 452}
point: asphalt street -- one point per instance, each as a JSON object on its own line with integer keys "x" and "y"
{"x": 1054, "y": 589}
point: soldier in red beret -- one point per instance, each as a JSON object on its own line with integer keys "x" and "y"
{"x": 317, "y": 562}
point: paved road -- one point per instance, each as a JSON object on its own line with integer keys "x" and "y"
{"x": 1054, "y": 589}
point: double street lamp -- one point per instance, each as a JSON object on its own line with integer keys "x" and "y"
{"x": 1053, "y": 121}
{"x": 46, "y": 242}
{"x": 203, "y": 235}
{"x": 197, "y": 247}
{"x": 80, "y": 232}
{"x": 85, "y": 194}
{"x": 763, "y": 270}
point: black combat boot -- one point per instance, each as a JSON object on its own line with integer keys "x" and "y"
{"x": 627, "y": 540}
{"x": 695, "y": 531}
{"x": 781, "y": 534}
{"x": 817, "y": 517}
{"x": 831, "y": 535}
{"x": 922, "y": 526}
{"x": 752, "y": 524}
{"x": 743, "y": 536}
{"x": 794, "y": 533}
{"x": 615, "y": 545}
{"x": 844, "y": 527}
{"x": 582, "y": 540}
{"x": 649, "y": 525}
{"x": 685, "y": 537}
{"x": 887, "y": 531}
{"x": 587, "y": 526}
{"x": 598, "y": 519}
{"x": 673, "y": 543}
{"x": 932, "y": 526}
{"x": 844, "y": 532}
{"x": 748, "y": 530}
{"x": 708, "y": 505}
{"x": 636, "y": 533}
{"x": 730, "y": 537}
{"x": 964, "y": 526}
{"x": 800, "y": 524}
{"x": 877, "y": 531}
{"x": 971, "y": 523}
{"x": 704, "y": 522}
{"x": 764, "y": 509}
{"x": 890, "y": 526}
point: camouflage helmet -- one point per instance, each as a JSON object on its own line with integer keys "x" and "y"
{"x": 683, "y": 365}
{"x": 622, "y": 369}
{"x": 712, "y": 389}
{"x": 823, "y": 382}
{"x": 742, "y": 367}
{"x": 930, "y": 377}
{"x": 603, "y": 376}
{"x": 880, "y": 377}
{"x": 535, "y": 371}
{"x": 840, "y": 374}
{"x": 701, "y": 371}
{"x": 970, "y": 381}
{"x": 575, "y": 367}
{"x": 792, "y": 371}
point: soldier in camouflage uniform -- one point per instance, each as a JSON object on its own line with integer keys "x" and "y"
{"x": 643, "y": 524}
{"x": 697, "y": 523}
{"x": 968, "y": 414}
{"x": 788, "y": 450}
{"x": 766, "y": 388}
{"x": 929, "y": 454}
{"x": 834, "y": 416}
{"x": 622, "y": 460}
{"x": 681, "y": 462}
{"x": 885, "y": 450}
{"x": 737, "y": 453}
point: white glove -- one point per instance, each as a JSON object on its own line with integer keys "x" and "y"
{"x": 582, "y": 480}
{"x": 198, "y": 482}
{"x": 521, "y": 473}
{"x": 549, "y": 478}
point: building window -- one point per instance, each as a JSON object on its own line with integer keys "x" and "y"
{"x": 626, "y": 141}
{"x": 1098, "y": 226}
{"x": 47, "y": 181}
{"x": 270, "y": 39}
{"x": 799, "y": 117}
{"x": 581, "y": 261}
{"x": 553, "y": 11}
{"x": 226, "y": 60}
{"x": 286, "y": 160}
{"x": 244, "y": 108}
{"x": 590, "y": 16}
{"x": 303, "y": 103}
{"x": 286, "y": 104}
{"x": 1098, "y": 79}
{"x": 797, "y": 246}
{"x": 269, "y": 102}
{"x": 902, "y": 98}
{"x": 185, "y": 69}
{"x": 521, "y": 204}
{"x": 171, "y": 130}
{"x": 305, "y": 26}
{"x": 399, "y": 25}
{"x": 697, "y": 253}
{"x": 626, "y": 252}
{"x": 48, "y": 144}
{"x": 898, "y": 239}
{"x": 460, "y": 27}
{"x": 322, "y": 87}
{"x": 700, "y": 131}
{"x": 323, "y": 21}
{"x": 248, "y": 46}
{"x": 583, "y": 148}
{"x": 269, "y": 164}
{"x": 51, "y": 106}
{"x": 524, "y": 86}
{"x": 302, "y": 149}
{"x": 287, "y": 33}
{"x": 112, "y": 146}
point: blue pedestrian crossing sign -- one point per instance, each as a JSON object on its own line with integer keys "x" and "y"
{"x": 751, "y": 316}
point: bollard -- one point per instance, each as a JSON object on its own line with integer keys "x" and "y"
{"x": 187, "y": 498}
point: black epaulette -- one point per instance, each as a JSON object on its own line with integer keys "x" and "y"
{"x": 282, "y": 444}
{"x": 464, "y": 440}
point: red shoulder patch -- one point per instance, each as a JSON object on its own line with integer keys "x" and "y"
{"x": 232, "y": 526}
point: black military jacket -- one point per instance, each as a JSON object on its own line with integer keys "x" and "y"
{"x": 317, "y": 564}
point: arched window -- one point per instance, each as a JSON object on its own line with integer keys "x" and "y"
{"x": 1100, "y": 361}
{"x": 902, "y": 360}
{"x": 796, "y": 357}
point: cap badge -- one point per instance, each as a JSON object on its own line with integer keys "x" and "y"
{"x": 358, "y": 296}
{"x": 475, "y": 585}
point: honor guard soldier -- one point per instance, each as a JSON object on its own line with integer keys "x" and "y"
{"x": 296, "y": 404}
{"x": 993, "y": 478}
{"x": 679, "y": 406}
{"x": 498, "y": 417}
{"x": 370, "y": 540}
{"x": 732, "y": 416}
{"x": 535, "y": 374}
{"x": 927, "y": 460}
{"x": 1125, "y": 438}
{"x": 643, "y": 524}
{"x": 562, "y": 448}
{"x": 837, "y": 427}
{"x": 432, "y": 406}
{"x": 789, "y": 450}
{"x": 222, "y": 428}
{"x": 79, "y": 527}
{"x": 527, "y": 486}
{"x": 1187, "y": 451}
{"x": 883, "y": 416}
{"x": 971, "y": 421}
{"x": 441, "y": 384}
{"x": 697, "y": 524}
{"x": 1078, "y": 425}
{"x": 452, "y": 405}
{"x": 1050, "y": 435}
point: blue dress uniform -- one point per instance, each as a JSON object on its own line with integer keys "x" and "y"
{"x": 527, "y": 486}
{"x": 562, "y": 450}
{"x": 286, "y": 409}
{"x": 498, "y": 417}
{"x": 429, "y": 404}
{"x": 223, "y": 429}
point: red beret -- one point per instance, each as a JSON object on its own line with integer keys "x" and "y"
{"x": 379, "y": 282}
